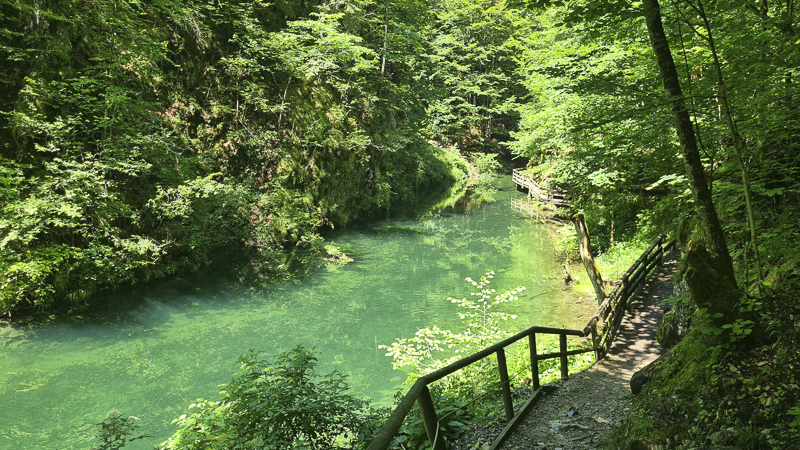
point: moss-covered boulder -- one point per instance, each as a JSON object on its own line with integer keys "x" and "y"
{"x": 676, "y": 322}
{"x": 709, "y": 289}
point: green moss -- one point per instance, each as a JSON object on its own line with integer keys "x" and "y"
{"x": 667, "y": 410}
{"x": 739, "y": 395}
{"x": 709, "y": 289}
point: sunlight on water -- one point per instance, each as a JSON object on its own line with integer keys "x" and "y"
{"x": 165, "y": 346}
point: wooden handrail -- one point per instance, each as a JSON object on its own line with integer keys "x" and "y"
{"x": 526, "y": 181}
{"x": 609, "y": 315}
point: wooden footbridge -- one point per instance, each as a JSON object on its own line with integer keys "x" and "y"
{"x": 597, "y": 336}
{"x": 525, "y": 182}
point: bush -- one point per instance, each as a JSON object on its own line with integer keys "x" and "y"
{"x": 276, "y": 406}
{"x": 432, "y": 348}
{"x": 116, "y": 431}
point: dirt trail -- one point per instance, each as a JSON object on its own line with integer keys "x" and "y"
{"x": 589, "y": 403}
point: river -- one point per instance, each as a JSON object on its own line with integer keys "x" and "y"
{"x": 159, "y": 348}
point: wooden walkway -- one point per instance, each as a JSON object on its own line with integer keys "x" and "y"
{"x": 598, "y": 397}
{"x": 636, "y": 338}
{"x": 525, "y": 182}
{"x": 601, "y": 331}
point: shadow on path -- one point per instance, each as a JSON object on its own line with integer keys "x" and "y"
{"x": 589, "y": 403}
{"x": 636, "y": 338}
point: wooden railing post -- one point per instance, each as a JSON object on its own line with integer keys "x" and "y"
{"x": 505, "y": 383}
{"x": 564, "y": 363}
{"x": 430, "y": 420}
{"x": 624, "y": 288}
{"x": 534, "y": 361}
{"x": 602, "y": 326}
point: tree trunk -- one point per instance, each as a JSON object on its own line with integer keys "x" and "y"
{"x": 717, "y": 246}
{"x": 585, "y": 247}
{"x": 385, "y": 37}
{"x": 738, "y": 142}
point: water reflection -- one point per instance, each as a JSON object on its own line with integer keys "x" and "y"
{"x": 152, "y": 351}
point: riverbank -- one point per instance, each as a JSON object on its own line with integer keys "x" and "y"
{"x": 579, "y": 412}
{"x": 154, "y": 350}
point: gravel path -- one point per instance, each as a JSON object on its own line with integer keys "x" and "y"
{"x": 588, "y": 404}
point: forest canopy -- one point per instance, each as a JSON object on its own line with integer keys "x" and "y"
{"x": 143, "y": 139}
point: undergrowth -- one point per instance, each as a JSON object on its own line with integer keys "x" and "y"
{"x": 473, "y": 393}
{"x": 613, "y": 261}
{"x": 741, "y": 394}
{"x": 616, "y": 260}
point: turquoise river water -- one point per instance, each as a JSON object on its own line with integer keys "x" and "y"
{"x": 163, "y": 346}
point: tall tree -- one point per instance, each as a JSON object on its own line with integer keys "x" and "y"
{"x": 474, "y": 68}
{"x": 727, "y": 112}
{"x": 691, "y": 155}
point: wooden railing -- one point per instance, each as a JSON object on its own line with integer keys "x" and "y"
{"x": 602, "y": 328}
{"x": 521, "y": 178}
{"x": 526, "y": 181}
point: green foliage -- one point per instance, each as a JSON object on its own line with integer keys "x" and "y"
{"x": 65, "y": 230}
{"x": 591, "y": 127}
{"x": 486, "y": 168}
{"x": 453, "y": 420}
{"x": 147, "y": 139}
{"x": 117, "y": 431}
{"x": 484, "y": 324}
{"x": 432, "y": 348}
{"x": 596, "y": 123}
{"x": 336, "y": 255}
{"x": 203, "y": 215}
{"x": 277, "y": 405}
{"x": 473, "y": 66}
{"x": 619, "y": 257}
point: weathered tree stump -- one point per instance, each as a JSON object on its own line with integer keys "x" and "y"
{"x": 588, "y": 259}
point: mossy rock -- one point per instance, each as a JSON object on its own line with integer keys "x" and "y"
{"x": 709, "y": 289}
{"x": 664, "y": 414}
{"x": 676, "y": 323}
{"x": 646, "y": 373}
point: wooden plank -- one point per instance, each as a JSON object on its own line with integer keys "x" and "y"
{"x": 534, "y": 190}
{"x": 513, "y": 423}
{"x": 534, "y": 361}
{"x": 464, "y": 362}
{"x": 566, "y": 353}
{"x": 564, "y": 362}
{"x": 430, "y": 420}
{"x": 386, "y": 434}
{"x": 505, "y": 383}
